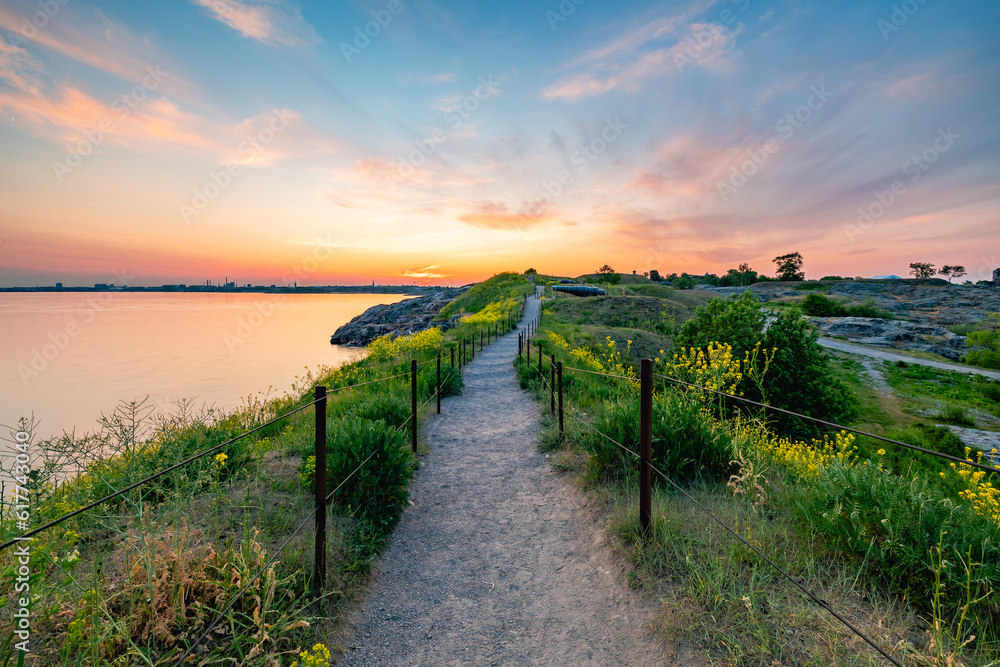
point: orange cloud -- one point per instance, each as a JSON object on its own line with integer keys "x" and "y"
{"x": 425, "y": 272}
{"x": 497, "y": 215}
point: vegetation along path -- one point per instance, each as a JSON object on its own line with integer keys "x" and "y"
{"x": 498, "y": 562}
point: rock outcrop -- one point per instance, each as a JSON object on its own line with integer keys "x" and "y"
{"x": 894, "y": 333}
{"x": 405, "y": 317}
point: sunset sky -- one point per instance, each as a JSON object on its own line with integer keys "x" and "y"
{"x": 402, "y": 141}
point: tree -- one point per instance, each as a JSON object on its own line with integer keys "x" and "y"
{"x": 645, "y": 274}
{"x": 655, "y": 275}
{"x": 789, "y": 266}
{"x": 799, "y": 378}
{"x": 607, "y": 276}
{"x": 531, "y": 272}
{"x": 950, "y": 272}
{"x": 922, "y": 270}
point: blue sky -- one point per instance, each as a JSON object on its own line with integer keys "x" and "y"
{"x": 460, "y": 139}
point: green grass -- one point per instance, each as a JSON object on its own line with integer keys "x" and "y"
{"x": 933, "y": 392}
{"x": 862, "y": 534}
{"x": 136, "y": 580}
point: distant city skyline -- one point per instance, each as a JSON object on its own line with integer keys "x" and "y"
{"x": 430, "y": 141}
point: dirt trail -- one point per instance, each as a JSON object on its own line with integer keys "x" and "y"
{"x": 893, "y": 356}
{"x": 498, "y": 562}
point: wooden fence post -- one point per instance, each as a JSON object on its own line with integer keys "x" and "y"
{"x": 645, "y": 445}
{"x": 319, "y": 484}
{"x": 552, "y": 383}
{"x": 439, "y": 385}
{"x": 559, "y": 383}
{"x": 413, "y": 404}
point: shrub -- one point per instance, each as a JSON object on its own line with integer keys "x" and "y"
{"x": 686, "y": 443}
{"x": 376, "y": 491}
{"x": 986, "y": 345}
{"x": 818, "y": 305}
{"x": 954, "y": 414}
{"x": 869, "y": 309}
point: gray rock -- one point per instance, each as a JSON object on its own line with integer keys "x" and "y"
{"x": 401, "y": 318}
{"x": 856, "y": 289}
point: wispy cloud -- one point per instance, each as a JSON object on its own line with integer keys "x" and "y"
{"x": 498, "y": 215}
{"x": 440, "y": 77}
{"x": 271, "y": 22}
{"x": 704, "y": 45}
{"x": 425, "y": 272}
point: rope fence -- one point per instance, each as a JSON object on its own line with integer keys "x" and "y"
{"x": 554, "y": 384}
{"x": 320, "y": 399}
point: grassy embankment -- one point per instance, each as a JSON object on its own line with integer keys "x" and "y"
{"x": 895, "y": 542}
{"x": 135, "y": 581}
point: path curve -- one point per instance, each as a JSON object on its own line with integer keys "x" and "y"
{"x": 498, "y": 562}
{"x": 892, "y": 356}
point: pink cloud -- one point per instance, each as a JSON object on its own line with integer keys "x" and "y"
{"x": 497, "y": 215}
{"x": 270, "y": 22}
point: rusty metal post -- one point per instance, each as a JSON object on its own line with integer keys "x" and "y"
{"x": 645, "y": 445}
{"x": 452, "y": 357}
{"x": 319, "y": 483}
{"x": 480, "y": 341}
{"x": 439, "y": 385}
{"x": 413, "y": 405}
{"x": 559, "y": 383}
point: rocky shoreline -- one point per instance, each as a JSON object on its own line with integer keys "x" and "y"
{"x": 406, "y": 317}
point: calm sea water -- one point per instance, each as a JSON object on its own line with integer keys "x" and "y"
{"x": 66, "y": 358}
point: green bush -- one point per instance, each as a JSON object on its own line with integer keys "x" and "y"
{"x": 799, "y": 378}
{"x": 869, "y": 309}
{"x": 818, "y": 305}
{"x": 686, "y": 443}
{"x": 954, "y": 414}
{"x": 377, "y": 490}
{"x": 986, "y": 345}
{"x": 891, "y": 524}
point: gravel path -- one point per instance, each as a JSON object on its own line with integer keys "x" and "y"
{"x": 498, "y": 562}
{"x": 892, "y": 356}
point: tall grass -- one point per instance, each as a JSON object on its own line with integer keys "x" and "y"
{"x": 916, "y": 544}
{"x": 136, "y": 580}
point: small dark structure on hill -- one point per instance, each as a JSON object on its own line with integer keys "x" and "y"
{"x": 996, "y": 277}
{"x": 579, "y": 290}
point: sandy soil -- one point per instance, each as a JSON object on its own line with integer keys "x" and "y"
{"x": 498, "y": 562}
